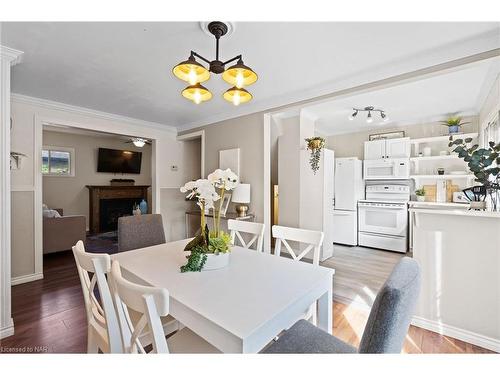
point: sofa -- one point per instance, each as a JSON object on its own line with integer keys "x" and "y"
{"x": 63, "y": 232}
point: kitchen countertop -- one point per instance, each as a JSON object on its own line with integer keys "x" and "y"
{"x": 456, "y": 212}
{"x": 439, "y": 204}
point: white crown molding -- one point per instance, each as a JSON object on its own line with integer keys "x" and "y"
{"x": 10, "y": 54}
{"x": 49, "y": 104}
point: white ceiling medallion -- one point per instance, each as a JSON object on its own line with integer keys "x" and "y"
{"x": 230, "y": 28}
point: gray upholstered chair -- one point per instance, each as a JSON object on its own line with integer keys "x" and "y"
{"x": 385, "y": 330}
{"x": 139, "y": 231}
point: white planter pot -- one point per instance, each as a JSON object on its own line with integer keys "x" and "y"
{"x": 215, "y": 262}
{"x": 420, "y": 198}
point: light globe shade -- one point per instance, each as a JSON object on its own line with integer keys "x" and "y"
{"x": 239, "y": 75}
{"x": 197, "y": 93}
{"x": 191, "y": 71}
{"x": 237, "y": 96}
{"x": 241, "y": 194}
{"x": 139, "y": 142}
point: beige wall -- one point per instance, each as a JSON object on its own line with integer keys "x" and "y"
{"x": 245, "y": 133}
{"x": 173, "y": 202}
{"x": 352, "y": 144}
{"x": 70, "y": 193}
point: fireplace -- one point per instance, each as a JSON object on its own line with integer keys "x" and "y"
{"x": 107, "y": 203}
{"x": 112, "y": 209}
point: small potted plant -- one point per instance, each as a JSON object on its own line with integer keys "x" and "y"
{"x": 420, "y": 193}
{"x": 454, "y": 123}
{"x": 315, "y": 145}
{"x": 210, "y": 249}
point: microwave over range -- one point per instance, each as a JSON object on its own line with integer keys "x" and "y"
{"x": 386, "y": 169}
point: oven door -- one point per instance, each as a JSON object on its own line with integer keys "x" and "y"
{"x": 384, "y": 218}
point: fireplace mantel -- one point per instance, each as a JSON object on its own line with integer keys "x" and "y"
{"x": 98, "y": 192}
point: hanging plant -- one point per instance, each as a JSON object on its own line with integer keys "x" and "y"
{"x": 315, "y": 144}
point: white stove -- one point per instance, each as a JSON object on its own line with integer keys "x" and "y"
{"x": 383, "y": 217}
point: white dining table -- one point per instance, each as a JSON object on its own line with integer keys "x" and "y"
{"x": 239, "y": 308}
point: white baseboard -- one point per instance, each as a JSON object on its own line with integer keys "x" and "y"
{"x": 26, "y": 278}
{"x": 458, "y": 333}
{"x": 441, "y": 328}
{"x": 7, "y": 331}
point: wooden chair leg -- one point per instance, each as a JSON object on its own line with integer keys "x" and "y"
{"x": 92, "y": 347}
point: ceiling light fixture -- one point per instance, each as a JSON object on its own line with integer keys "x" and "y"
{"x": 238, "y": 75}
{"x": 369, "y": 117}
{"x": 354, "y": 114}
{"x": 139, "y": 142}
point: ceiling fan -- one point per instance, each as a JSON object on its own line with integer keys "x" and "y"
{"x": 139, "y": 142}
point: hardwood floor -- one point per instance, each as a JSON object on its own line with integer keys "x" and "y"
{"x": 360, "y": 272}
{"x": 49, "y": 316}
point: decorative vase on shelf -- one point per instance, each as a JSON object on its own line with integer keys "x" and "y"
{"x": 143, "y": 207}
{"x": 420, "y": 198}
{"x": 453, "y": 129}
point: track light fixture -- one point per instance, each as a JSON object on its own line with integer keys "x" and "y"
{"x": 369, "y": 117}
{"x": 238, "y": 75}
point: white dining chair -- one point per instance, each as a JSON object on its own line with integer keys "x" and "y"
{"x": 311, "y": 238}
{"x": 308, "y": 240}
{"x": 102, "y": 324}
{"x": 151, "y": 303}
{"x": 236, "y": 227}
{"x": 103, "y": 327}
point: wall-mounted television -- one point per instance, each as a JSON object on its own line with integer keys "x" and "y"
{"x": 118, "y": 161}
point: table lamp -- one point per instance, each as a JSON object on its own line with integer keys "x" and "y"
{"x": 241, "y": 194}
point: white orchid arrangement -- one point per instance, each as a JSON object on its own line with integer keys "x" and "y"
{"x": 224, "y": 180}
{"x": 205, "y": 191}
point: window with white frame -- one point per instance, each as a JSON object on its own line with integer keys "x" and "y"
{"x": 58, "y": 161}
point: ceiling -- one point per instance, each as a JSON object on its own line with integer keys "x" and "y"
{"x": 462, "y": 91}
{"x": 125, "y": 67}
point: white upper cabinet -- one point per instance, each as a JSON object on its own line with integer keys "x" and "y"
{"x": 387, "y": 149}
{"x": 397, "y": 148}
{"x": 375, "y": 149}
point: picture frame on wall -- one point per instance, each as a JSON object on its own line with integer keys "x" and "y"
{"x": 388, "y": 135}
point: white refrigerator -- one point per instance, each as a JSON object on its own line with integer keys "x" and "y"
{"x": 349, "y": 188}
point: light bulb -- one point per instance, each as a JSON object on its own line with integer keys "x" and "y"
{"x": 192, "y": 77}
{"x": 353, "y": 115}
{"x": 369, "y": 118}
{"x": 239, "y": 80}
{"x": 236, "y": 98}
{"x": 139, "y": 142}
{"x": 197, "y": 97}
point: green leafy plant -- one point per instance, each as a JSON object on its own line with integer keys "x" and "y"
{"x": 220, "y": 244}
{"x": 483, "y": 162}
{"x": 315, "y": 145}
{"x": 454, "y": 121}
{"x": 420, "y": 192}
{"x": 196, "y": 260}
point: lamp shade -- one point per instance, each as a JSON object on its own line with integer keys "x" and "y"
{"x": 197, "y": 93}
{"x": 191, "y": 71}
{"x": 239, "y": 75}
{"x": 241, "y": 194}
{"x": 237, "y": 96}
